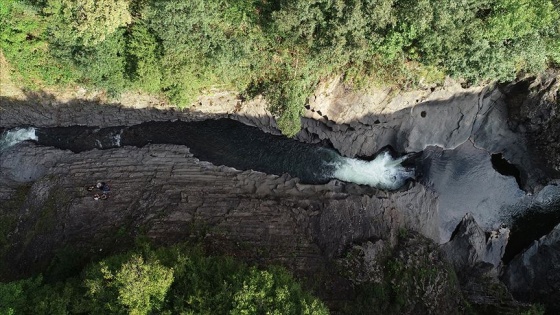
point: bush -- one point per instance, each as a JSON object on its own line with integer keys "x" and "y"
{"x": 86, "y": 22}
{"x": 104, "y": 64}
{"x": 128, "y": 285}
{"x": 142, "y": 59}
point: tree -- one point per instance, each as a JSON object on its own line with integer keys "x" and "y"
{"x": 142, "y": 55}
{"x": 175, "y": 280}
{"x": 511, "y": 19}
{"x": 87, "y": 22}
{"x": 273, "y": 292}
{"x": 24, "y": 42}
{"x": 33, "y": 296}
{"x": 137, "y": 287}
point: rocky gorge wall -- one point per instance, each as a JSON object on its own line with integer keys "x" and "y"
{"x": 164, "y": 193}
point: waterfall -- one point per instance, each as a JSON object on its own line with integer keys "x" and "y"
{"x": 382, "y": 172}
{"x": 11, "y": 137}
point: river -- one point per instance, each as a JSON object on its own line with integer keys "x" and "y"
{"x": 466, "y": 179}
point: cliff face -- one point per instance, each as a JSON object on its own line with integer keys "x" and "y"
{"x": 535, "y": 112}
{"x": 164, "y": 193}
{"x": 447, "y": 118}
{"x": 534, "y": 275}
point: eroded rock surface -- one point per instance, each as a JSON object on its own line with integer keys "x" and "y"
{"x": 534, "y": 275}
{"x": 360, "y": 124}
{"x": 162, "y": 192}
{"x": 470, "y": 247}
{"x": 535, "y": 112}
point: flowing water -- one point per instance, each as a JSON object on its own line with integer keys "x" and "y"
{"x": 466, "y": 178}
{"x": 11, "y": 137}
{"x": 470, "y": 180}
{"x": 230, "y": 143}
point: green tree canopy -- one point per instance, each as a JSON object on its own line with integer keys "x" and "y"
{"x": 87, "y": 22}
{"x": 174, "y": 280}
{"x": 135, "y": 287}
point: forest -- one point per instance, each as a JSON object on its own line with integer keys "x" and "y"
{"x": 172, "y": 280}
{"x": 280, "y": 49}
{"x": 180, "y": 49}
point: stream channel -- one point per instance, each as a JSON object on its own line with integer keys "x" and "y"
{"x": 466, "y": 178}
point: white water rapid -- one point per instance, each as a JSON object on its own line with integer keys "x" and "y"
{"x": 14, "y": 136}
{"x": 383, "y": 172}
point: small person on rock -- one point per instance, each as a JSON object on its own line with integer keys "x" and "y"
{"x": 98, "y": 196}
{"x": 103, "y": 187}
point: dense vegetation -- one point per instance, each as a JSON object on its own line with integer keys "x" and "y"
{"x": 176, "y": 280}
{"x": 282, "y": 49}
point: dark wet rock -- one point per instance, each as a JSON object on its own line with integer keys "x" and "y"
{"x": 493, "y": 132}
{"x": 79, "y": 138}
{"x": 535, "y": 112}
{"x": 476, "y": 258}
{"x": 470, "y": 247}
{"x": 480, "y": 115}
{"x": 467, "y": 183}
{"x": 534, "y": 275}
{"x": 167, "y": 195}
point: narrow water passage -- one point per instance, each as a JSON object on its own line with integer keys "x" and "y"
{"x": 465, "y": 179}
{"x": 228, "y": 142}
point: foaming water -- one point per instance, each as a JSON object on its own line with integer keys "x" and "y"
{"x": 14, "y": 136}
{"x": 382, "y": 172}
{"x": 117, "y": 139}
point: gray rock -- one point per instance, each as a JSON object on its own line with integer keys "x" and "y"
{"x": 480, "y": 115}
{"x": 534, "y": 275}
{"x": 534, "y": 112}
{"x": 17, "y": 166}
{"x": 167, "y": 195}
{"x": 470, "y": 248}
{"x": 444, "y": 122}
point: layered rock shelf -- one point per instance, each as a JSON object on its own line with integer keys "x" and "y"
{"x": 164, "y": 193}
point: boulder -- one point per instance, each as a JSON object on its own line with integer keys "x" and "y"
{"x": 470, "y": 247}
{"x": 534, "y": 275}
